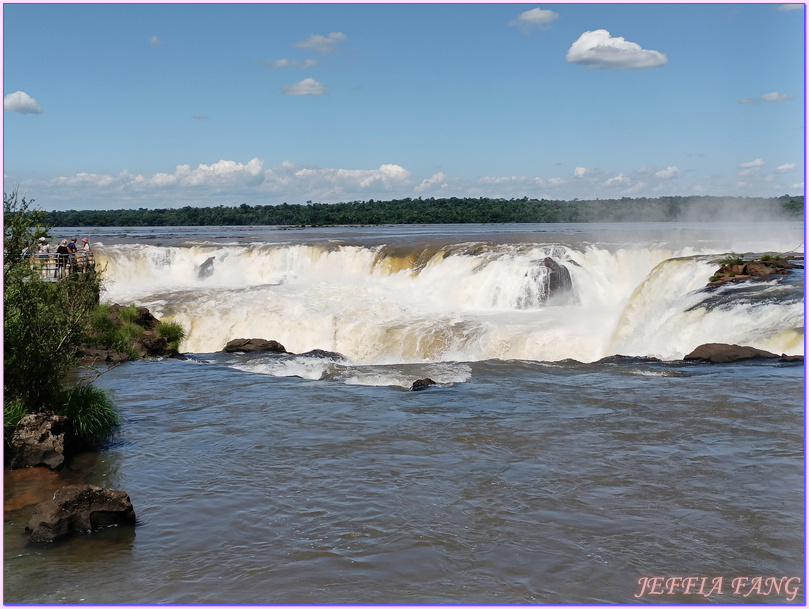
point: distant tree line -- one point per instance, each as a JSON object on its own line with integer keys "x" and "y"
{"x": 451, "y": 210}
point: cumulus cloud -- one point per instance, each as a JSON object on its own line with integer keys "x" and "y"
{"x": 286, "y": 63}
{"x": 21, "y": 102}
{"x": 308, "y": 86}
{"x": 536, "y": 17}
{"x": 785, "y": 167}
{"x": 597, "y": 49}
{"x": 668, "y": 173}
{"x": 321, "y": 44}
{"x": 766, "y": 98}
{"x": 155, "y": 40}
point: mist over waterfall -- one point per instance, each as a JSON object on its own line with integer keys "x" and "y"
{"x": 466, "y": 301}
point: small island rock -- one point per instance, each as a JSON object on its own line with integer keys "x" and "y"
{"x": 250, "y": 345}
{"x": 720, "y": 353}
{"x": 79, "y": 509}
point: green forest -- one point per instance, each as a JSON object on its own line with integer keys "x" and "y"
{"x": 448, "y": 211}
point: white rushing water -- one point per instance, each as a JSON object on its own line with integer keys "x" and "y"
{"x": 377, "y": 304}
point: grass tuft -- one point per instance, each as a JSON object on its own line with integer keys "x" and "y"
{"x": 92, "y": 413}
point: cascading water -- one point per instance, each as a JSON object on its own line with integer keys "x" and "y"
{"x": 461, "y": 302}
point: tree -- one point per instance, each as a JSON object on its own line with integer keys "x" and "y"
{"x": 44, "y": 322}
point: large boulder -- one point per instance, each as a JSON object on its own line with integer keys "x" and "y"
{"x": 79, "y": 509}
{"x": 42, "y": 439}
{"x": 545, "y": 280}
{"x": 558, "y": 277}
{"x": 720, "y": 353}
{"x": 250, "y": 345}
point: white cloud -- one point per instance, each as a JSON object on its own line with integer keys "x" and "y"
{"x": 321, "y": 44}
{"x": 535, "y": 17}
{"x": 750, "y": 168}
{"x": 766, "y": 98}
{"x": 785, "y": 167}
{"x": 621, "y": 178}
{"x": 21, "y": 102}
{"x": 155, "y": 40}
{"x": 435, "y": 184}
{"x": 668, "y": 172}
{"x": 308, "y": 86}
{"x": 230, "y": 182}
{"x": 790, "y": 7}
{"x": 598, "y": 49}
{"x": 285, "y": 63}
{"x": 201, "y": 117}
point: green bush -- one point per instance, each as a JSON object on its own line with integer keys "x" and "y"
{"x": 732, "y": 259}
{"x": 44, "y": 323}
{"x": 766, "y": 257}
{"x": 128, "y": 314}
{"x": 91, "y": 411}
{"x": 172, "y": 332}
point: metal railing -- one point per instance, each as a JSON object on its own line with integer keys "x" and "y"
{"x": 55, "y": 267}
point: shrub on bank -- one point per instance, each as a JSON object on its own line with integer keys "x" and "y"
{"x": 172, "y": 332}
{"x": 44, "y": 323}
{"x": 91, "y": 411}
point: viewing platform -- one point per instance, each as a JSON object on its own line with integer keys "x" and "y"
{"x": 56, "y": 267}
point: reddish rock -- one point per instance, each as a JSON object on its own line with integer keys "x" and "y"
{"x": 79, "y": 509}
{"x": 720, "y": 353}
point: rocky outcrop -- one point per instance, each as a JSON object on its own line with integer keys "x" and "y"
{"x": 251, "y": 345}
{"x": 42, "y": 439}
{"x": 149, "y": 344}
{"x": 737, "y": 269}
{"x": 546, "y": 279}
{"x": 720, "y": 353}
{"x": 205, "y": 269}
{"x": 79, "y": 509}
{"x": 422, "y": 384}
{"x": 558, "y": 277}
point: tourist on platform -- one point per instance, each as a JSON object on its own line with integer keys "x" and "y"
{"x": 73, "y": 249}
{"x": 62, "y": 255}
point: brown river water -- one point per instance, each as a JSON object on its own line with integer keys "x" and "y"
{"x": 539, "y": 469}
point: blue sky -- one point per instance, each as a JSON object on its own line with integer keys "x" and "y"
{"x": 156, "y": 105}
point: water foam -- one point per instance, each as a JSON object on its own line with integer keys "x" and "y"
{"x": 466, "y": 302}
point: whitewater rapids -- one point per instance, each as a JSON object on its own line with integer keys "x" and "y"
{"x": 457, "y": 302}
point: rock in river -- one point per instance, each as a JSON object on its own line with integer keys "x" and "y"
{"x": 250, "y": 345}
{"x": 79, "y": 509}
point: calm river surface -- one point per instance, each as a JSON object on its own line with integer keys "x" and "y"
{"x": 270, "y": 479}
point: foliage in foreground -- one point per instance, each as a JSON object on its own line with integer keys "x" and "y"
{"x": 172, "y": 332}
{"x": 91, "y": 411}
{"x": 44, "y": 322}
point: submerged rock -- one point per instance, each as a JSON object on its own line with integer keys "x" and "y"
{"x": 79, "y": 509}
{"x": 422, "y": 384}
{"x": 322, "y": 354}
{"x": 42, "y": 439}
{"x": 720, "y": 353}
{"x": 250, "y": 345}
